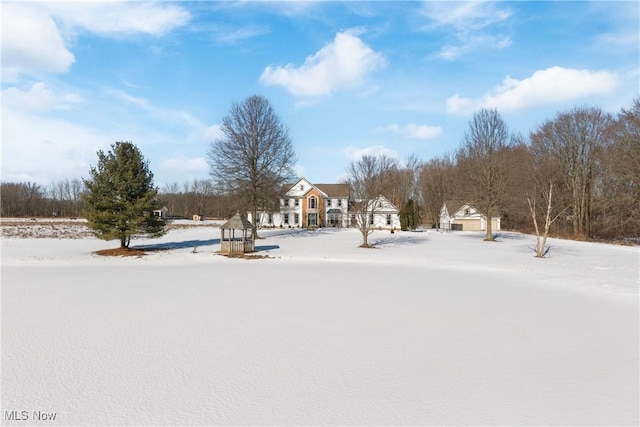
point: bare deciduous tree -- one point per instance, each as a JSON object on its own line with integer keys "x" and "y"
{"x": 436, "y": 185}
{"x": 618, "y": 183}
{"x": 255, "y": 157}
{"x": 196, "y": 197}
{"x": 514, "y": 211}
{"x": 575, "y": 138}
{"x": 405, "y": 181}
{"x": 482, "y": 158}
{"x": 369, "y": 178}
{"x": 541, "y": 240}
{"x": 67, "y": 197}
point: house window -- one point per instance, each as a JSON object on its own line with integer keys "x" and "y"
{"x": 328, "y": 203}
{"x": 285, "y": 202}
{"x": 296, "y": 202}
{"x": 301, "y": 187}
{"x": 296, "y": 219}
{"x": 339, "y": 203}
{"x": 286, "y": 218}
{"x": 312, "y": 202}
{"x": 270, "y": 218}
{"x": 467, "y": 212}
{"x": 388, "y": 219}
{"x": 371, "y": 219}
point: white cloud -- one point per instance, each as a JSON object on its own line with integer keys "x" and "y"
{"x": 196, "y": 132}
{"x": 298, "y": 8}
{"x": 622, "y": 32}
{"x": 211, "y": 133}
{"x": 42, "y": 150}
{"x": 354, "y": 154}
{"x": 414, "y": 131}
{"x": 465, "y": 15}
{"x": 130, "y": 99}
{"x": 298, "y": 169}
{"x": 33, "y": 34}
{"x": 119, "y": 18}
{"x": 450, "y": 52}
{"x": 31, "y": 42}
{"x": 544, "y": 87}
{"x": 230, "y": 36}
{"x": 341, "y": 64}
{"x": 179, "y": 165}
{"x": 38, "y": 98}
{"x": 618, "y": 39}
{"x": 472, "y": 23}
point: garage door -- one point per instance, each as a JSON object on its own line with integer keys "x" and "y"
{"x": 469, "y": 224}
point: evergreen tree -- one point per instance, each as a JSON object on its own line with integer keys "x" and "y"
{"x": 120, "y": 196}
{"x": 408, "y": 216}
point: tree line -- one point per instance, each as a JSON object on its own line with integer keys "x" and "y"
{"x": 64, "y": 199}
{"x": 589, "y": 158}
{"x": 28, "y": 199}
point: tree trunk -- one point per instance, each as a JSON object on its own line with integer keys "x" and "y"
{"x": 254, "y": 217}
{"x": 365, "y": 237}
{"x": 489, "y": 236}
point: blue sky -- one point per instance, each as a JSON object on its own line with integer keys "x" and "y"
{"x": 346, "y": 78}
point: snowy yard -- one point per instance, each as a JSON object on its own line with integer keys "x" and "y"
{"x": 429, "y": 328}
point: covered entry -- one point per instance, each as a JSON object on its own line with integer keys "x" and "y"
{"x": 334, "y": 217}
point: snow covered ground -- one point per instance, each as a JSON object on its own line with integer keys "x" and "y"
{"x": 429, "y": 328}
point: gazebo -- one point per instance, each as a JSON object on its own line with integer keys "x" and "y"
{"x": 236, "y": 235}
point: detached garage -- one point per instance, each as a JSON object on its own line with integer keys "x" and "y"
{"x": 462, "y": 216}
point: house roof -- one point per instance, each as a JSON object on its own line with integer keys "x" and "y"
{"x": 335, "y": 190}
{"x": 237, "y": 222}
{"x": 454, "y": 206}
{"x": 381, "y": 205}
{"x": 330, "y": 190}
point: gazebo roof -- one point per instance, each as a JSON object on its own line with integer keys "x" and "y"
{"x": 237, "y": 222}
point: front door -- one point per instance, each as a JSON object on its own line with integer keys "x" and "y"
{"x": 312, "y": 219}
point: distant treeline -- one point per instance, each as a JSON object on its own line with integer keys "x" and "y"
{"x": 64, "y": 199}
{"x": 591, "y": 158}
{"x": 28, "y": 199}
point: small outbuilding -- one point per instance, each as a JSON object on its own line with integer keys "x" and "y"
{"x": 163, "y": 212}
{"x": 236, "y": 235}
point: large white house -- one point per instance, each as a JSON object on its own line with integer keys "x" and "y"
{"x": 304, "y": 204}
{"x": 308, "y": 205}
